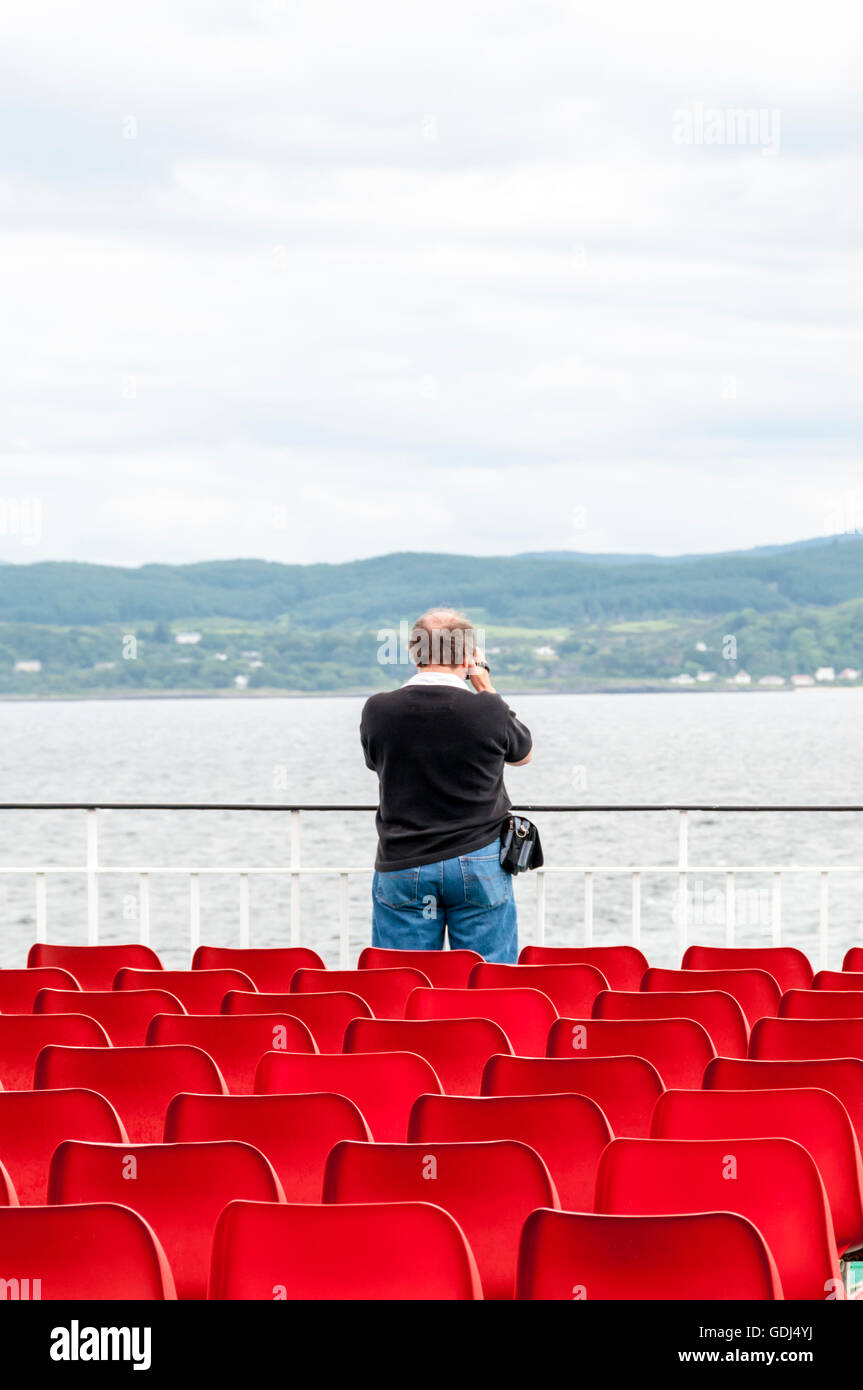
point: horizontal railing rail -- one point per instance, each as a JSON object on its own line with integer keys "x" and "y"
{"x": 94, "y": 870}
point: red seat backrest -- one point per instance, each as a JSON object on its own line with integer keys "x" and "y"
{"x": 571, "y": 988}
{"x": 821, "y": 1003}
{"x": 94, "y": 967}
{"x": 443, "y": 969}
{"x": 525, "y": 1015}
{"x": 625, "y": 1088}
{"x": 566, "y": 1255}
{"x": 815, "y": 1119}
{"x": 325, "y": 1015}
{"x": 138, "y": 1081}
{"x": 843, "y": 1077}
{"x": 719, "y": 1014}
{"x": 404, "y": 1250}
{"x": 568, "y": 1132}
{"x": 382, "y": 1085}
{"x": 236, "y": 1042}
{"x": 788, "y": 966}
{"x": 85, "y": 1252}
{"x": 199, "y": 991}
{"x": 490, "y": 1188}
{"x": 125, "y": 1015}
{"x": 33, "y": 1123}
{"x": 772, "y": 1182}
{"x": 271, "y": 968}
{"x": 679, "y": 1048}
{"x": 179, "y": 1189}
{"x": 784, "y": 1039}
{"x": 756, "y": 991}
{"x": 23, "y": 1036}
{"x": 19, "y": 988}
{"x": 385, "y": 991}
{"x": 622, "y": 966}
{"x": 839, "y": 979}
{"x": 295, "y": 1132}
{"x": 457, "y": 1048}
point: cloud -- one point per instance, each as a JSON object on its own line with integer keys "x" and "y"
{"x": 447, "y": 262}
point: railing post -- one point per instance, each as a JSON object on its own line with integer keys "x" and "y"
{"x": 540, "y": 907}
{"x": 588, "y": 908}
{"x": 144, "y": 909}
{"x": 777, "y": 909}
{"x": 92, "y": 878}
{"x": 295, "y": 878}
{"x": 194, "y": 913}
{"x": 244, "y": 911}
{"x": 344, "y": 924}
{"x": 730, "y": 908}
{"x": 41, "y": 908}
{"x": 636, "y": 909}
{"x": 823, "y": 920}
{"x": 682, "y": 881}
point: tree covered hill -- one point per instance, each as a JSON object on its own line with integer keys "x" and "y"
{"x": 522, "y": 590}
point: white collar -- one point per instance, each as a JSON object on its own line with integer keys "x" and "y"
{"x": 437, "y": 678}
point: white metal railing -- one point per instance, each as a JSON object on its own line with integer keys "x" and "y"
{"x": 94, "y": 871}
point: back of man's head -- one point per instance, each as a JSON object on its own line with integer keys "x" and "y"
{"x": 442, "y": 637}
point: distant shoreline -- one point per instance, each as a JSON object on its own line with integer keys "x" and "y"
{"x": 628, "y": 689}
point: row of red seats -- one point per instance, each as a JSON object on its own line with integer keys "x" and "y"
{"x": 489, "y": 1186}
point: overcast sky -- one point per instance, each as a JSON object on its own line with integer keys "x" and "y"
{"x": 309, "y": 280}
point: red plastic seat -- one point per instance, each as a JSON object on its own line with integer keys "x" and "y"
{"x": 235, "y": 1042}
{"x": 443, "y": 969}
{"x": 821, "y": 1003}
{"x": 382, "y": 1085}
{"x": 853, "y": 959}
{"x": 772, "y": 1182}
{"x": 33, "y": 1123}
{"x": 295, "y": 1132}
{"x": 385, "y": 991}
{"x": 325, "y": 1015}
{"x": 404, "y": 1250}
{"x": 679, "y": 1048}
{"x": 571, "y": 988}
{"x": 719, "y": 1014}
{"x": 756, "y": 992}
{"x": 179, "y": 1189}
{"x": 22, "y": 1037}
{"x": 271, "y": 968}
{"x": 199, "y": 991}
{"x": 788, "y": 966}
{"x": 839, "y": 979}
{"x": 622, "y": 966}
{"x": 124, "y": 1015}
{"x": 625, "y": 1088}
{"x": 843, "y": 1077}
{"x": 525, "y": 1015}
{"x": 457, "y": 1048}
{"x": 566, "y": 1255}
{"x": 489, "y": 1188}
{"x": 138, "y": 1081}
{"x": 94, "y": 967}
{"x": 568, "y": 1132}
{"x": 815, "y": 1119}
{"x": 85, "y": 1252}
{"x": 19, "y": 988}
{"x": 786, "y": 1039}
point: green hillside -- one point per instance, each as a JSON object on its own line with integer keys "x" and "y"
{"x": 553, "y": 621}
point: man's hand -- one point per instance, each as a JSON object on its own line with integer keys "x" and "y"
{"x": 480, "y": 678}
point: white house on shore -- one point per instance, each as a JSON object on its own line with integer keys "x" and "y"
{"x": 683, "y": 679}
{"x": 28, "y": 666}
{"x": 802, "y": 680}
{"x": 772, "y": 680}
{"x": 740, "y": 678}
{"x": 825, "y": 673}
{"x": 849, "y": 674}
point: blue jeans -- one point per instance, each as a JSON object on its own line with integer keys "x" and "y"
{"x": 470, "y": 897}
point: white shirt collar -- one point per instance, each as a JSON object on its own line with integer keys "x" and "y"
{"x": 437, "y": 678}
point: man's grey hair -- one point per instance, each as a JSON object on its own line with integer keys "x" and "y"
{"x": 442, "y": 637}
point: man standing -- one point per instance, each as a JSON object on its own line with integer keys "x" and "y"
{"x": 439, "y": 745}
